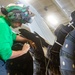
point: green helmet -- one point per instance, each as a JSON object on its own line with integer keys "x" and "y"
{"x": 18, "y": 13}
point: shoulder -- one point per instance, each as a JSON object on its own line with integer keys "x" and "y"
{"x": 3, "y": 22}
{"x": 2, "y": 19}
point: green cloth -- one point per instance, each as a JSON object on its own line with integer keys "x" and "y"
{"x": 6, "y": 39}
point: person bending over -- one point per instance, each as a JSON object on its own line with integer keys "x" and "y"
{"x": 15, "y": 15}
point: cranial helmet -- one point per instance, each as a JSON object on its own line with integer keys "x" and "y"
{"x": 18, "y": 13}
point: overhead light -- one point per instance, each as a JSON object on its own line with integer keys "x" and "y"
{"x": 52, "y": 19}
{"x": 27, "y": 1}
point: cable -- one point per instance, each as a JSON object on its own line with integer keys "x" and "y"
{"x": 47, "y": 66}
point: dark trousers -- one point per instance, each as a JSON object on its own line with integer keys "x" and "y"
{"x": 3, "y": 70}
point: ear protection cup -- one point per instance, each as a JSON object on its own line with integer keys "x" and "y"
{"x": 4, "y": 11}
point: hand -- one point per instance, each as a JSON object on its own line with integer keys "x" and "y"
{"x": 32, "y": 44}
{"x": 26, "y": 47}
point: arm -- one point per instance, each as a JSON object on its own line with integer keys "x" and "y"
{"x": 22, "y": 39}
{"x": 7, "y": 53}
{"x": 24, "y": 50}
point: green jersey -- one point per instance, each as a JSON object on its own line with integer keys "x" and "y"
{"x": 6, "y": 39}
